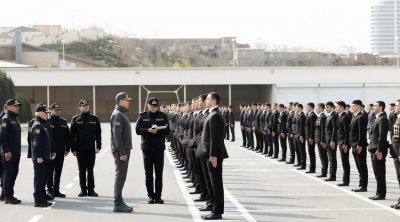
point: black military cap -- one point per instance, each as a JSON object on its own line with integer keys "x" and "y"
{"x": 83, "y": 102}
{"x": 41, "y": 107}
{"x": 153, "y": 101}
{"x": 122, "y": 96}
{"x": 357, "y": 102}
{"x": 13, "y": 102}
{"x": 55, "y": 106}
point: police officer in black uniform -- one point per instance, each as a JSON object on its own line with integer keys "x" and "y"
{"x": 85, "y": 143}
{"x": 153, "y": 127}
{"x": 61, "y": 142}
{"x": 10, "y": 137}
{"x": 41, "y": 144}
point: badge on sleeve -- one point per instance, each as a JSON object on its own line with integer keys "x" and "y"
{"x": 37, "y": 131}
{"x": 117, "y": 123}
{"x": 4, "y": 125}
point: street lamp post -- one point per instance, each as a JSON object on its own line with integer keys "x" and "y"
{"x": 63, "y": 53}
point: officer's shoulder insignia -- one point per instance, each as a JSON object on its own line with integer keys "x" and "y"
{"x": 4, "y": 125}
{"x": 74, "y": 117}
{"x": 37, "y": 131}
{"x": 142, "y": 113}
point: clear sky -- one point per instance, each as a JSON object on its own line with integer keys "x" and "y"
{"x": 326, "y": 25}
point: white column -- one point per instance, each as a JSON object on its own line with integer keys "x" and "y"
{"x": 230, "y": 95}
{"x": 140, "y": 98}
{"x": 184, "y": 93}
{"x": 94, "y": 100}
{"x": 48, "y": 96}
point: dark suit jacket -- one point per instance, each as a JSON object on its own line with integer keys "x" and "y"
{"x": 274, "y": 121}
{"x": 379, "y": 131}
{"x": 282, "y": 122}
{"x": 358, "y": 130}
{"x": 231, "y": 117}
{"x": 243, "y": 118}
{"x": 331, "y": 128}
{"x": 310, "y": 125}
{"x": 213, "y": 136}
{"x": 320, "y": 128}
{"x": 300, "y": 125}
{"x": 343, "y": 126}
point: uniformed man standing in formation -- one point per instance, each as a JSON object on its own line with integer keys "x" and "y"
{"x": 85, "y": 144}
{"x": 41, "y": 139}
{"x": 2, "y": 114}
{"x": 396, "y": 146}
{"x": 343, "y": 127}
{"x": 10, "y": 138}
{"x": 153, "y": 127}
{"x": 231, "y": 123}
{"x": 61, "y": 143}
{"x": 121, "y": 145}
{"x": 243, "y": 124}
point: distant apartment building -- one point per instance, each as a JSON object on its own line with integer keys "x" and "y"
{"x": 48, "y": 30}
{"x": 385, "y": 27}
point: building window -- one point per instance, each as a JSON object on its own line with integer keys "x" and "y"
{"x": 53, "y": 30}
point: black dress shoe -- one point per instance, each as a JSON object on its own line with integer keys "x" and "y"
{"x": 360, "y": 189}
{"x": 290, "y": 162}
{"x": 321, "y": 175}
{"x": 83, "y": 193}
{"x": 158, "y": 200}
{"x": 150, "y": 200}
{"x": 310, "y": 171}
{"x": 92, "y": 193}
{"x": 200, "y": 199}
{"x": 12, "y": 201}
{"x": 213, "y": 216}
{"x": 377, "y": 197}
{"x": 343, "y": 184}
{"x": 396, "y": 206}
{"x": 1, "y": 197}
{"x": 297, "y": 165}
{"x": 330, "y": 179}
{"x": 281, "y": 160}
{"x": 47, "y": 197}
{"x": 43, "y": 204}
{"x": 206, "y": 208}
{"x": 301, "y": 168}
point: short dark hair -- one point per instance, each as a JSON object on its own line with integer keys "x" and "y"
{"x": 281, "y": 105}
{"x": 330, "y": 104}
{"x": 311, "y": 104}
{"x": 230, "y": 106}
{"x": 357, "y": 102}
{"x": 291, "y": 103}
{"x": 392, "y": 104}
{"x": 341, "y": 103}
{"x": 300, "y": 105}
{"x": 215, "y": 96}
{"x": 268, "y": 104}
{"x": 203, "y": 97}
{"x": 347, "y": 105}
{"x": 254, "y": 104}
{"x": 321, "y": 105}
{"x": 381, "y": 104}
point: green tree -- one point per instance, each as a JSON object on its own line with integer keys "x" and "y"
{"x": 6, "y": 88}
{"x": 25, "y": 113}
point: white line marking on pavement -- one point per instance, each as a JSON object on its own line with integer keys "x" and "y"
{"x": 239, "y": 206}
{"x": 51, "y": 206}
{"x": 309, "y": 209}
{"x": 256, "y": 154}
{"x": 350, "y": 193}
{"x": 35, "y": 218}
{"x": 69, "y": 186}
{"x": 190, "y": 203}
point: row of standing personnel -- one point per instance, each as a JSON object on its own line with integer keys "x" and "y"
{"x": 197, "y": 137}
{"x": 329, "y": 127}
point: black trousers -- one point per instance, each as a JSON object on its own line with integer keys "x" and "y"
{"x": 251, "y": 139}
{"x": 270, "y": 144}
{"x": 297, "y": 149}
{"x": 232, "y": 131}
{"x": 257, "y": 136}
{"x": 361, "y": 163}
{"x": 283, "y": 145}
{"x": 86, "y": 160}
{"x": 39, "y": 180}
{"x": 345, "y": 163}
{"x": 217, "y": 187}
{"x": 276, "y": 144}
{"x": 244, "y": 136}
{"x": 397, "y": 167}
{"x": 121, "y": 171}
{"x": 226, "y": 127}
{"x": 323, "y": 156}
{"x": 201, "y": 178}
{"x": 1, "y": 176}
{"x": 207, "y": 179}
{"x": 265, "y": 147}
{"x": 291, "y": 148}
{"x": 11, "y": 169}
{"x": 54, "y": 170}
{"x": 302, "y": 150}
{"x": 193, "y": 171}
{"x": 311, "y": 154}
{"x": 332, "y": 156}
{"x": 379, "y": 167}
{"x": 153, "y": 161}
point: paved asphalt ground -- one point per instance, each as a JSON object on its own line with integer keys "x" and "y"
{"x": 256, "y": 189}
